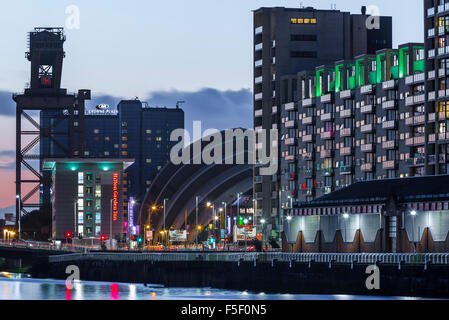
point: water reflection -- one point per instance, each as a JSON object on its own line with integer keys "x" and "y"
{"x": 15, "y": 288}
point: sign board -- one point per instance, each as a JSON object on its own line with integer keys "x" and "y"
{"x": 178, "y": 235}
{"x": 243, "y": 233}
{"x": 149, "y": 235}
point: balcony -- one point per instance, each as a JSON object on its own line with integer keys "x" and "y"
{"x": 391, "y": 124}
{"x": 367, "y": 167}
{"x": 308, "y": 173}
{"x": 430, "y": 12}
{"x": 326, "y": 154}
{"x": 347, "y": 132}
{"x": 258, "y": 80}
{"x": 274, "y": 110}
{"x": 443, "y": 136}
{"x": 367, "y": 128}
{"x": 389, "y": 145}
{"x": 441, "y": 51}
{"x": 431, "y": 33}
{"x": 307, "y": 121}
{"x": 441, "y": 93}
{"x": 441, "y": 30}
{"x": 289, "y": 106}
{"x": 258, "y": 47}
{"x": 367, "y": 109}
{"x": 258, "y": 179}
{"x": 307, "y": 138}
{"x": 258, "y": 96}
{"x": 431, "y": 95}
{"x": 416, "y": 162}
{"x": 290, "y": 141}
{"x": 290, "y": 124}
{"x": 415, "y": 121}
{"x": 442, "y": 116}
{"x": 431, "y": 75}
{"x": 346, "y": 113}
{"x": 258, "y": 63}
{"x": 431, "y": 53}
{"x": 258, "y": 113}
{"x": 387, "y": 105}
{"x": 307, "y": 102}
{"x": 347, "y": 151}
{"x": 367, "y": 147}
{"x": 390, "y": 84}
{"x": 409, "y": 80}
{"x": 441, "y": 73}
{"x": 345, "y": 94}
{"x": 327, "y": 135}
{"x": 388, "y": 165}
{"x": 344, "y": 170}
{"x": 366, "y": 89}
{"x": 327, "y": 116}
{"x": 415, "y": 141}
{"x": 258, "y": 30}
{"x": 327, "y": 172}
{"x": 326, "y": 98}
{"x": 419, "y": 78}
{"x": 409, "y": 101}
{"x": 432, "y": 138}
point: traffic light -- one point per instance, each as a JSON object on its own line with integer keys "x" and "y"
{"x": 68, "y": 235}
{"x": 103, "y": 238}
{"x": 133, "y": 238}
{"x": 139, "y": 240}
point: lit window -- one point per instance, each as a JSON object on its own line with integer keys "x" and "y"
{"x": 106, "y": 153}
{"x": 148, "y": 131}
{"x": 293, "y": 20}
{"x": 98, "y": 230}
{"x": 80, "y": 191}
{"x": 86, "y": 153}
{"x": 124, "y": 146}
{"x": 98, "y": 217}
{"x": 159, "y": 167}
{"x": 124, "y": 153}
{"x": 301, "y": 21}
{"x": 80, "y": 204}
{"x": 107, "y": 138}
{"x": 306, "y": 20}
{"x": 96, "y": 131}
{"x": 80, "y": 230}
{"x": 115, "y": 146}
{"x": 80, "y": 177}
{"x": 98, "y": 191}
{"x": 149, "y": 160}
{"x": 124, "y": 138}
{"x": 313, "y": 21}
{"x": 80, "y": 218}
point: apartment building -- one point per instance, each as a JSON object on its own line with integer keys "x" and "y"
{"x": 290, "y": 40}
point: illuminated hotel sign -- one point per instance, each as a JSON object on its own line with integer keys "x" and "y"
{"x": 303, "y": 20}
{"x": 115, "y": 178}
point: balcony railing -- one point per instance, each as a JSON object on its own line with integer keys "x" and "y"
{"x": 258, "y": 46}
{"x": 327, "y": 135}
{"x": 258, "y": 113}
{"x": 389, "y": 144}
{"x": 258, "y": 30}
{"x": 307, "y": 102}
{"x": 327, "y": 116}
{"x": 274, "y": 110}
{"x": 258, "y": 96}
{"x": 345, "y": 94}
{"x": 258, "y": 80}
{"x": 390, "y": 84}
{"x": 416, "y": 162}
{"x": 289, "y": 106}
{"x": 367, "y": 109}
{"x": 307, "y": 120}
{"x": 431, "y": 53}
{"x": 346, "y": 132}
{"x": 346, "y": 113}
{"x": 367, "y": 147}
{"x": 431, "y": 12}
{"x": 326, "y": 154}
{"x": 366, "y": 89}
{"x": 346, "y": 151}
{"x": 290, "y": 124}
{"x": 389, "y": 164}
{"x": 367, "y": 167}
{"x": 289, "y": 141}
{"x": 307, "y": 138}
{"x": 258, "y": 63}
{"x": 386, "y": 105}
{"x": 431, "y": 74}
{"x": 367, "y": 128}
{"x": 326, "y": 98}
{"x": 432, "y": 138}
{"x": 431, "y": 95}
{"x": 431, "y": 32}
{"x": 389, "y": 124}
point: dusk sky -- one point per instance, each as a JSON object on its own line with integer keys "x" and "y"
{"x": 160, "y": 51}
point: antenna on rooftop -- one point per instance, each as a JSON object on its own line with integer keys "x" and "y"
{"x": 179, "y": 103}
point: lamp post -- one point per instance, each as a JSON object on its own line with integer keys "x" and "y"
{"x": 110, "y": 227}
{"x": 246, "y": 232}
{"x": 413, "y": 214}
{"x": 196, "y": 222}
{"x": 289, "y": 218}
{"x": 165, "y": 200}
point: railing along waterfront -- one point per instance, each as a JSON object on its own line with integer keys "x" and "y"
{"x": 339, "y": 258}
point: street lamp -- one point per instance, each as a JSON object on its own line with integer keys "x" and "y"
{"x": 165, "y": 200}
{"x": 19, "y": 204}
{"x": 246, "y": 232}
{"x": 413, "y": 214}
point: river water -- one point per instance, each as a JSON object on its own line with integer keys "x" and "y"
{"x": 16, "y": 287}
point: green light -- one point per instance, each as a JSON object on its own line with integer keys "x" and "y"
{"x": 73, "y": 169}
{"x": 105, "y": 169}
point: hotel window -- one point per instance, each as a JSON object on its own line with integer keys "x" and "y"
{"x": 107, "y": 139}
{"x": 80, "y": 191}
{"x": 80, "y": 230}
{"x": 80, "y": 204}
{"x": 106, "y": 153}
{"x": 124, "y": 138}
{"x": 149, "y": 160}
{"x": 89, "y": 217}
{"x": 88, "y": 230}
{"x": 98, "y": 191}
{"x": 89, "y": 190}
{"x": 159, "y": 139}
{"x": 115, "y": 146}
{"x": 89, "y": 177}
{"x": 80, "y": 218}
{"x": 98, "y": 230}
{"x": 148, "y": 131}
{"x": 124, "y": 153}
{"x": 96, "y": 131}
{"x": 80, "y": 177}
{"x": 124, "y": 146}
{"x": 98, "y": 218}
{"x": 89, "y": 204}
{"x": 86, "y": 153}
{"x": 98, "y": 204}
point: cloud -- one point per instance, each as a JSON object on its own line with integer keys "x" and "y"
{"x": 216, "y": 109}
{"x": 7, "y": 105}
{"x": 7, "y": 159}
